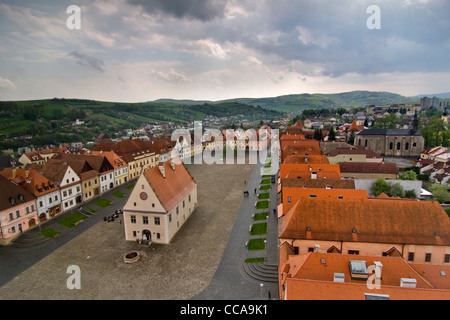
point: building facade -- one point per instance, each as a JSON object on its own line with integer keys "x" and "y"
{"x": 162, "y": 200}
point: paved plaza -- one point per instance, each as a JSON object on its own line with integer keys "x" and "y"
{"x": 204, "y": 260}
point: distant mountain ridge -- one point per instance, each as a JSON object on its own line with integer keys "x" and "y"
{"x": 298, "y": 102}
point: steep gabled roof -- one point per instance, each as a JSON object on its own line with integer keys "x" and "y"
{"x": 12, "y": 194}
{"x": 173, "y": 186}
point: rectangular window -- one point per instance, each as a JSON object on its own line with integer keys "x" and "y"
{"x": 145, "y": 220}
{"x": 11, "y": 216}
{"x": 133, "y": 219}
{"x": 17, "y": 214}
{"x": 157, "y": 221}
{"x": 411, "y": 256}
{"x": 356, "y": 252}
{"x": 170, "y": 217}
{"x": 447, "y": 258}
{"x": 428, "y": 257}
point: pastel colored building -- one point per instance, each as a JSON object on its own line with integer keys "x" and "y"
{"x": 162, "y": 200}
{"x": 17, "y": 211}
{"x": 417, "y": 231}
{"x": 46, "y": 192}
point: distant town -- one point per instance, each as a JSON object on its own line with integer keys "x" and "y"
{"x": 359, "y": 191}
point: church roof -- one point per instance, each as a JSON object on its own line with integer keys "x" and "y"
{"x": 389, "y": 132}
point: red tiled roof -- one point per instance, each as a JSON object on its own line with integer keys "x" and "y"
{"x": 176, "y": 184}
{"x": 375, "y": 221}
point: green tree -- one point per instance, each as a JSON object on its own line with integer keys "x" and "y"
{"x": 408, "y": 175}
{"x": 440, "y": 193}
{"x": 380, "y": 186}
{"x": 318, "y": 134}
{"x": 332, "y": 134}
{"x": 396, "y": 190}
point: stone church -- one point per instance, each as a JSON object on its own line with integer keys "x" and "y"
{"x": 393, "y": 142}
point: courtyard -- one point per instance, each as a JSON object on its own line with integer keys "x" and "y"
{"x": 180, "y": 270}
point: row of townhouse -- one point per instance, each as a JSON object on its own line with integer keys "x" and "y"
{"x": 336, "y": 242}
{"x": 435, "y": 162}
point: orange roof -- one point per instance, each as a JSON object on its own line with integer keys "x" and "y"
{"x": 30, "y": 180}
{"x": 311, "y": 276}
{"x": 113, "y": 158}
{"x": 353, "y": 127}
{"x": 286, "y": 168}
{"x": 318, "y": 183}
{"x": 405, "y": 221}
{"x": 295, "y": 174}
{"x": 298, "y": 159}
{"x": 294, "y": 194}
{"x": 176, "y": 184}
{"x": 437, "y": 275}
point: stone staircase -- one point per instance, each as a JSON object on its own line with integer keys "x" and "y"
{"x": 29, "y": 239}
{"x": 262, "y": 271}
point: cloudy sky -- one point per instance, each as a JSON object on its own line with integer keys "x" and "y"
{"x": 143, "y": 50}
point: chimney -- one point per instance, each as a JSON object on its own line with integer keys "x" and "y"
{"x": 378, "y": 270}
{"x": 163, "y": 171}
{"x": 408, "y": 283}
{"x": 316, "y": 248}
{"x": 339, "y": 277}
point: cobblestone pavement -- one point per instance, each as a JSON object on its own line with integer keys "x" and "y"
{"x": 180, "y": 270}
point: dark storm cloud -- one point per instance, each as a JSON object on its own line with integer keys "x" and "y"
{"x": 203, "y": 10}
{"x": 88, "y": 61}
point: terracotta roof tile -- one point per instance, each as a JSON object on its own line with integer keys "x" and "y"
{"x": 311, "y": 277}
{"x": 406, "y": 221}
{"x": 176, "y": 184}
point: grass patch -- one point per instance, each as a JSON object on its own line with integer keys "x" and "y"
{"x": 264, "y": 196}
{"x": 260, "y": 216}
{"x": 90, "y": 210}
{"x": 49, "y": 232}
{"x": 103, "y": 203}
{"x": 262, "y": 205}
{"x": 130, "y": 187}
{"x": 119, "y": 194}
{"x": 259, "y": 228}
{"x": 71, "y": 220}
{"x": 265, "y": 187}
{"x": 254, "y": 260}
{"x": 265, "y": 181}
{"x": 256, "y": 244}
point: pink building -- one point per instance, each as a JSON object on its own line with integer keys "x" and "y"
{"x": 17, "y": 211}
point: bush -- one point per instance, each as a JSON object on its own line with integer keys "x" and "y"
{"x": 380, "y": 186}
{"x": 396, "y": 190}
{"x": 410, "y": 194}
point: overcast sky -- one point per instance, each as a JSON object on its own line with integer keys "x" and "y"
{"x": 142, "y": 50}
